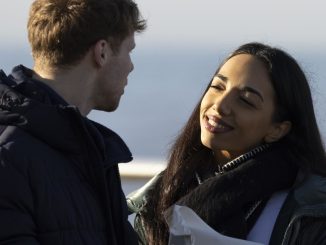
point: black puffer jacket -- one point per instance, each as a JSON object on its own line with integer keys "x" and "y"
{"x": 59, "y": 178}
{"x": 301, "y": 220}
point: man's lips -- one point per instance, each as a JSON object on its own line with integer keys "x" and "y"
{"x": 216, "y": 125}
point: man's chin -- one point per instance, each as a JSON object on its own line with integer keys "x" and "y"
{"x": 107, "y": 108}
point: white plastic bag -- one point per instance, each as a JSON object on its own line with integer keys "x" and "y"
{"x": 187, "y": 228}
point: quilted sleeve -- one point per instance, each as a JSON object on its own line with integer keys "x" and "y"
{"x": 16, "y": 206}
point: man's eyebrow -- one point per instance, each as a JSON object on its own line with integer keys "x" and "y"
{"x": 254, "y": 91}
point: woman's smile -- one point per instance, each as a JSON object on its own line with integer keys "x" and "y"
{"x": 237, "y": 110}
{"x": 216, "y": 125}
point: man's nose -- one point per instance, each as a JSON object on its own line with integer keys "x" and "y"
{"x": 131, "y": 66}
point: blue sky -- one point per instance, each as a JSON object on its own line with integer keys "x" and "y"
{"x": 206, "y": 23}
{"x": 298, "y": 23}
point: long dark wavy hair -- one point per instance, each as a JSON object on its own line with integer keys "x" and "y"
{"x": 188, "y": 155}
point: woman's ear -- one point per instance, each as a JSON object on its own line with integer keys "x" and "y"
{"x": 278, "y": 131}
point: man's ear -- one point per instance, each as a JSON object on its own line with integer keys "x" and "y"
{"x": 101, "y": 52}
{"x": 278, "y": 131}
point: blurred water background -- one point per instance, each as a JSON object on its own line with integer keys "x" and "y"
{"x": 178, "y": 54}
{"x": 165, "y": 87}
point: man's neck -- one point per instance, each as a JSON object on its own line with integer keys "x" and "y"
{"x": 74, "y": 85}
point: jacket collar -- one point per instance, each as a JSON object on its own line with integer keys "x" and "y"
{"x": 37, "y": 109}
{"x": 306, "y": 200}
{"x": 250, "y": 181}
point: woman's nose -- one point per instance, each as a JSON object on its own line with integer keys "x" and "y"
{"x": 223, "y": 104}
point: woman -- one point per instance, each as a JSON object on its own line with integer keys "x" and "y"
{"x": 251, "y": 144}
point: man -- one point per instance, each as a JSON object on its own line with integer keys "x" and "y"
{"x": 59, "y": 179}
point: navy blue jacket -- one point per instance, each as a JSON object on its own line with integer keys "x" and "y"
{"x": 59, "y": 178}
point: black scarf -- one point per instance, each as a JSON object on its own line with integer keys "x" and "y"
{"x": 228, "y": 200}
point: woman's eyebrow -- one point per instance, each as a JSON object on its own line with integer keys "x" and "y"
{"x": 254, "y": 91}
{"x": 249, "y": 89}
{"x": 223, "y": 78}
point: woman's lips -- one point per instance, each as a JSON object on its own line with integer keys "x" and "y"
{"x": 216, "y": 125}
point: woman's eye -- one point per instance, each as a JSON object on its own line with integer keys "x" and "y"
{"x": 247, "y": 102}
{"x": 246, "y": 98}
{"x": 218, "y": 87}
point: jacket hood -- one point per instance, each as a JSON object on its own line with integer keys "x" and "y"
{"x": 35, "y": 108}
